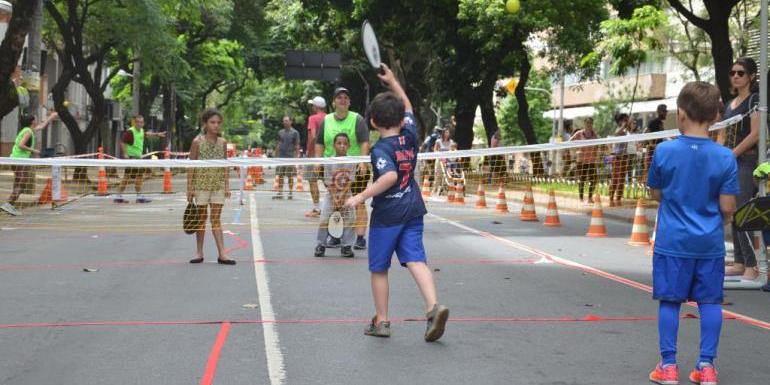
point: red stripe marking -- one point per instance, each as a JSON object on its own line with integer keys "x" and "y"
{"x": 586, "y": 318}
{"x": 211, "y": 365}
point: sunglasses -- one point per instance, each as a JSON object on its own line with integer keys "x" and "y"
{"x": 739, "y": 73}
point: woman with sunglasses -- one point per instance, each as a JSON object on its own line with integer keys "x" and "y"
{"x": 742, "y": 139}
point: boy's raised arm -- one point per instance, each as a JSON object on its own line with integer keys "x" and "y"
{"x": 390, "y": 81}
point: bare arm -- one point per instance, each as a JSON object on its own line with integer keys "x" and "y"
{"x": 751, "y": 139}
{"x": 24, "y": 141}
{"x": 390, "y": 81}
{"x": 194, "y": 152}
{"x": 655, "y": 194}
{"x": 727, "y": 206}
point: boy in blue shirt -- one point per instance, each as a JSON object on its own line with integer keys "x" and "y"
{"x": 397, "y": 209}
{"x": 695, "y": 181}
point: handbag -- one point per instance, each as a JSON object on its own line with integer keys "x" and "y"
{"x": 194, "y": 218}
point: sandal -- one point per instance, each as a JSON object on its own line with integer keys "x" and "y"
{"x": 197, "y": 260}
{"x": 225, "y": 261}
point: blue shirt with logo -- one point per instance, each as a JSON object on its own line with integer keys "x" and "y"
{"x": 692, "y": 173}
{"x": 403, "y": 201}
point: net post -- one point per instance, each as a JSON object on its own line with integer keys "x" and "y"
{"x": 242, "y": 176}
{"x": 763, "y": 74}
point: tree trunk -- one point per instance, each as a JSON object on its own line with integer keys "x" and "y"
{"x": 525, "y": 123}
{"x": 722, "y": 53}
{"x": 148, "y": 95}
{"x": 465, "y": 114}
{"x": 10, "y": 51}
{"x": 486, "y": 100}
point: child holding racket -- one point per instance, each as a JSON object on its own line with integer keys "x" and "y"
{"x": 695, "y": 181}
{"x": 397, "y": 208}
{"x": 337, "y": 179}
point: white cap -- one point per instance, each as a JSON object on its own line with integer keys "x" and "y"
{"x": 318, "y": 102}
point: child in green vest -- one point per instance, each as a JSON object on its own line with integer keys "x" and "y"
{"x": 23, "y": 148}
{"x": 132, "y": 147}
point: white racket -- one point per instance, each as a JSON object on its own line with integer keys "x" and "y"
{"x": 371, "y": 47}
{"x": 336, "y": 225}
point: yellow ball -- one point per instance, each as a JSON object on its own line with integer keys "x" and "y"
{"x": 65, "y": 103}
{"x": 512, "y": 6}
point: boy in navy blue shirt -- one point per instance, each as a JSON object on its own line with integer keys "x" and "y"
{"x": 397, "y": 209}
{"x": 695, "y": 181}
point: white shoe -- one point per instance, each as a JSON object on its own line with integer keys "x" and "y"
{"x": 10, "y": 209}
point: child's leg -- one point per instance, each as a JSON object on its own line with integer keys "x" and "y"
{"x": 710, "y": 328}
{"x": 323, "y": 226}
{"x": 216, "y": 228}
{"x": 424, "y": 279}
{"x": 349, "y": 232}
{"x": 200, "y": 235}
{"x": 668, "y": 328}
{"x": 380, "y": 292}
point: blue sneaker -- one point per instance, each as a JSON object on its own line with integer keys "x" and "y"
{"x": 143, "y": 199}
{"x": 360, "y": 243}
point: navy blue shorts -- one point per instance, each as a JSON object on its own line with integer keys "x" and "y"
{"x": 677, "y": 279}
{"x": 403, "y": 239}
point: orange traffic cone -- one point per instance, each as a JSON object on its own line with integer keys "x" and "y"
{"x": 300, "y": 187}
{"x": 502, "y": 204}
{"x": 459, "y": 192}
{"x": 528, "y": 213}
{"x": 481, "y": 203}
{"x": 47, "y": 195}
{"x": 597, "y": 228}
{"x": 639, "y": 234}
{"x": 652, "y": 239}
{"x": 101, "y": 185}
{"x": 450, "y": 192}
{"x": 425, "y": 186}
{"x": 552, "y": 213}
{"x": 167, "y": 176}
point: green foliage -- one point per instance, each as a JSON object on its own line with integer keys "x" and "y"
{"x": 539, "y": 102}
{"x": 627, "y": 42}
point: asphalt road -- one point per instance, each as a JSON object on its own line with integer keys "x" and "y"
{"x": 529, "y": 304}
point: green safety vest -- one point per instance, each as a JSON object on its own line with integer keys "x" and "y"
{"x": 136, "y": 149}
{"x": 18, "y": 152}
{"x": 332, "y": 127}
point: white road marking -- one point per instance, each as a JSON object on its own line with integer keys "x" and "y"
{"x": 273, "y": 352}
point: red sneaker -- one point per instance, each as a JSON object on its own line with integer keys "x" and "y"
{"x": 665, "y": 375}
{"x": 705, "y": 375}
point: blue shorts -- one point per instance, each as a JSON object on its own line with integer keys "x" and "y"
{"x": 677, "y": 279}
{"x": 403, "y": 239}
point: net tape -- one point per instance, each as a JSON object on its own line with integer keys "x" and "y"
{"x": 252, "y": 161}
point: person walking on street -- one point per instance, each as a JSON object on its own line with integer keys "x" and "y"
{"x": 318, "y": 106}
{"x": 287, "y": 147}
{"x": 132, "y": 147}
{"x": 352, "y": 124}
{"x": 587, "y": 159}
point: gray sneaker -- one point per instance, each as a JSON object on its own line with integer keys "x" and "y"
{"x": 10, "y": 209}
{"x": 436, "y": 322}
{"x": 379, "y": 330}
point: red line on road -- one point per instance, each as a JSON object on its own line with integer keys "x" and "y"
{"x": 286, "y": 261}
{"x": 211, "y": 364}
{"x": 586, "y": 318}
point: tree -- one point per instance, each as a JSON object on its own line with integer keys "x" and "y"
{"x": 628, "y": 42}
{"x": 689, "y": 45}
{"x": 10, "y": 51}
{"x": 87, "y": 37}
{"x": 538, "y": 101}
{"x": 717, "y": 27}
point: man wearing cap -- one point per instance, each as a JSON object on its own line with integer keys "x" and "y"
{"x": 354, "y": 125}
{"x": 318, "y": 109}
